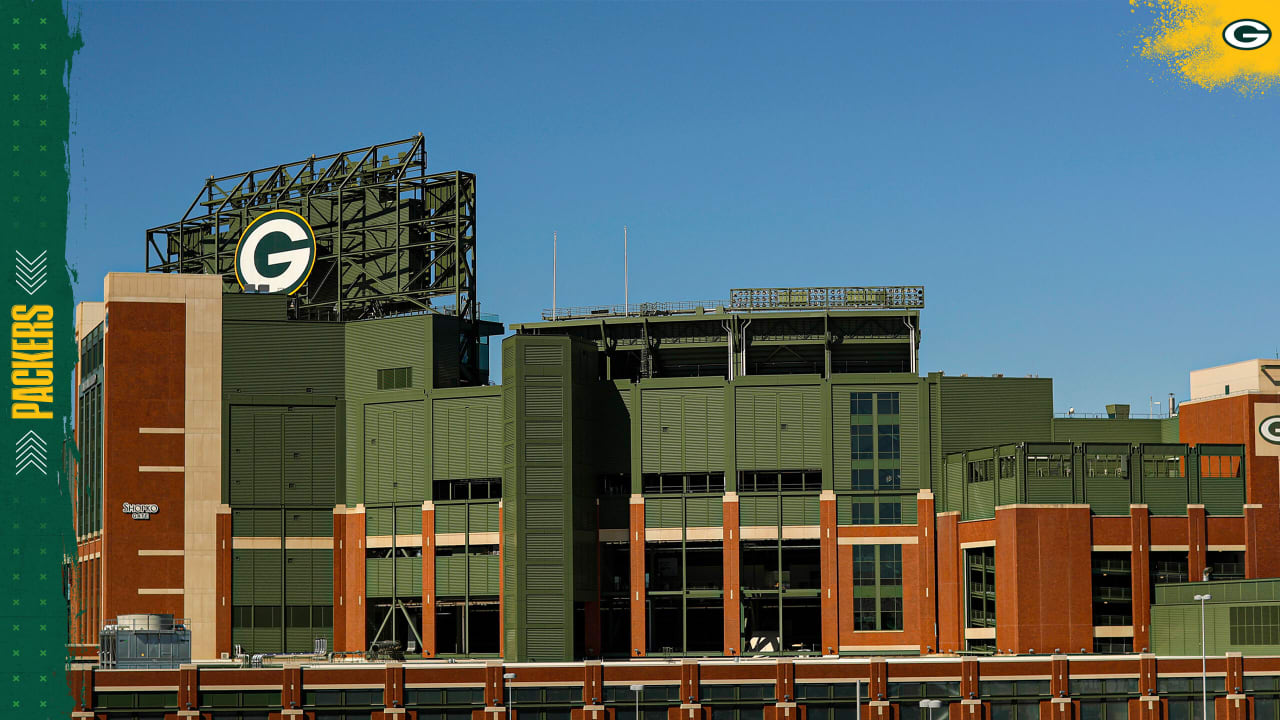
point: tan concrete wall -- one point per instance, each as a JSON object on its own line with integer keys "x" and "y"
{"x": 1258, "y": 375}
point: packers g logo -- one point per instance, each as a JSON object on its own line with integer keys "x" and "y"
{"x": 1246, "y": 34}
{"x": 1269, "y": 428}
{"x": 278, "y": 250}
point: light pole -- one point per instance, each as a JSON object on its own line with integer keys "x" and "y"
{"x": 636, "y": 690}
{"x": 506, "y": 679}
{"x": 1204, "y": 674}
{"x": 930, "y": 705}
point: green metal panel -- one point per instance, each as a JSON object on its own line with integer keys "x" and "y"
{"x": 261, "y": 357}
{"x": 1109, "y": 495}
{"x": 704, "y": 511}
{"x": 664, "y": 512}
{"x": 1222, "y": 496}
{"x": 979, "y": 501}
{"x": 379, "y": 577}
{"x": 1108, "y": 430}
{"x": 408, "y": 577}
{"x": 779, "y": 428}
{"x": 297, "y": 577}
{"x": 983, "y": 412}
{"x": 409, "y": 520}
{"x": 308, "y": 523}
{"x": 242, "y": 577}
{"x": 1165, "y": 496}
{"x": 759, "y": 510}
{"x": 266, "y": 577}
{"x": 451, "y": 575}
{"x": 482, "y": 517}
{"x": 682, "y": 430}
{"x": 267, "y": 431}
{"x": 393, "y": 438}
{"x": 800, "y": 510}
{"x": 466, "y": 437}
{"x": 379, "y": 521}
{"x": 482, "y": 574}
{"x": 451, "y": 517}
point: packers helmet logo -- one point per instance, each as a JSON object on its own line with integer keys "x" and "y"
{"x": 277, "y": 250}
{"x": 1246, "y": 34}
{"x": 1269, "y": 428}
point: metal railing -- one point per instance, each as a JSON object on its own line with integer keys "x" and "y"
{"x": 760, "y": 300}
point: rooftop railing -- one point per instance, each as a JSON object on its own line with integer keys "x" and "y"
{"x": 894, "y": 297}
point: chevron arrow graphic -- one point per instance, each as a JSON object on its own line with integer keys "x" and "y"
{"x": 31, "y": 451}
{"x": 31, "y": 273}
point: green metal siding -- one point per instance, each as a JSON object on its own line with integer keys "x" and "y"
{"x": 779, "y": 428}
{"x": 1108, "y": 430}
{"x": 682, "y": 430}
{"x": 466, "y": 438}
{"x": 393, "y": 441}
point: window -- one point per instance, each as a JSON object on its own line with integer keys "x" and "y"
{"x": 395, "y": 378}
{"x": 1008, "y": 467}
{"x": 1048, "y": 466}
{"x": 468, "y": 489}
{"x": 1112, "y": 592}
{"x": 891, "y": 479}
{"x": 860, "y": 441}
{"x": 860, "y": 404}
{"x": 877, "y": 587}
{"x": 1255, "y": 625}
{"x": 1225, "y": 564}
{"x": 1168, "y": 567}
{"x": 981, "y": 470}
{"x": 887, "y": 403}
{"x": 1105, "y": 465}
{"x": 890, "y": 446}
{"x": 980, "y": 571}
{"x": 1166, "y": 467}
{"x": 770, "y": 481}
{"x": 864, "y": 479}
{"x": 1220, "y": 466}
{"x": 856, "y": 510}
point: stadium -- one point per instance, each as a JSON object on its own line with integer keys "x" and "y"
{"x": 749, "y": 508}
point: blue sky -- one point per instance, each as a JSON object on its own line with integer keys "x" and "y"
{"x": 1071, "y": 212}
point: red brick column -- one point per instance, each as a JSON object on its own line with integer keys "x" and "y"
{"x": 1236, "y": 705}
{"x": 926, "y": 536}
{"x": 950, "y": 583}
{"x": 429, "y": 578}
{"x": 393, "y": 685}
{"x": 690, "y": 678}
{"x": 291, "y": 688}
{"x": 189, "y": 688}
{"x": 222, "y": 575}
{"x": 80, "y": 682}
{"x": 828, "y": 557}
{"x": 1140, "y": 574}
{"x": 1196, "y": 539}
{"x": 636, "y": 537}
{"x": 784, "y": 686}
{"x": 592, "y": 683}
{"x": 732, "y": 577}
{"x": 351, "y": 601}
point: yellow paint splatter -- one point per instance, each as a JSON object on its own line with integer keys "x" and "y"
{"x": 1187, "y": 36}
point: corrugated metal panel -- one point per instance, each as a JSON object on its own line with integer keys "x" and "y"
{"x": 483, "y": 575}
{"x": 704, "y": 512}
{"x": 1107, "y": 430}
{"x": 267, "y": 574}
{"x": 663, "y": 512}
{"x": 242, "y": 577}
{"x": 409, "y": 520}
{"x": 263, "y": 357}
{"x": 393, "y": 453}
{"x": 800, "y": 510}
{"x": 379, "y": 577}
{"x": 544, "y": 548}
{"x": 451, "y": 575}
{"x": 1108, "y": 495}
{"x": 408, "y": 577}
{"x": 308, "y": 523}
{"x": 240, "y": 463}
{"x": 544, "y": 515}
{"x": 322, "y": 577}
{"x": 297, "y": 577}
{"x": 953, "y": 492}
{"x": 545, "y": 609}
{"x": 983, "y": 412}
{"x": 682, "y": 430}
{"x": 979, "y": 500}
{"x": 909, "y": 439}
{"x": 1165, "y": 496}
{"x": 381, "y": 521}
{"x": 1049, "y": 490}
{"x": 1222, "y": 496}
{"x": 758, "y": 510}
{"x": 467, "y": 438}
{"x": 483, "y": 517}
{"x": 297, "y": 458}
{"x": 451, "y": 518}
{"x": 267, "y": 484}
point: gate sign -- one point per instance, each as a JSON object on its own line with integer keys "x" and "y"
{"x": 277, "y": 251}
{"x": 141, "y": 512}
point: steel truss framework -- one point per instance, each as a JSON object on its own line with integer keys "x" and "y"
{"x": 390, "y": 238}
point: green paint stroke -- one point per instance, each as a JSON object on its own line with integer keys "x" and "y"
{"x": 36, "y": 531}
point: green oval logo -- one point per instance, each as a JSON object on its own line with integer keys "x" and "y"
{"x": 276, "y": 253}
{"x": 1269, "y": 428}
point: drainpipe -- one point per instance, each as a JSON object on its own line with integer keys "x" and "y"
{"x": 728, "y": 331}
{"x": 907, "y": 322}
{"x": 743, "y": 347}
